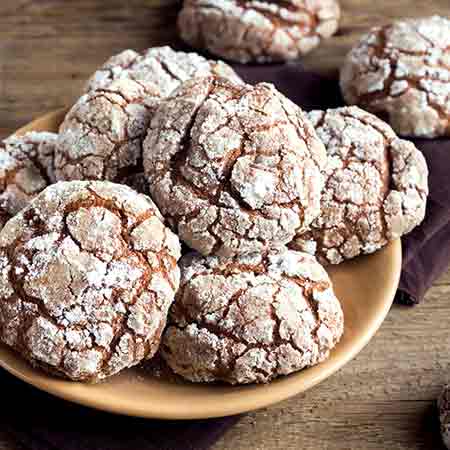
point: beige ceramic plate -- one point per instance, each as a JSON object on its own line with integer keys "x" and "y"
{"x": 365, "y": 286}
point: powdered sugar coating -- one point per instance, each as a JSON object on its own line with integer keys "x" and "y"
{"x": 402, "y": 71}
{"x": 444, "y": 415}
{"x": 88, "y": 273}
{"x": 26, "y": 168}
{"x": 375, "y": 190}
{"x": 159, "y": 69}
{"x": 251, "y": 319}
{"x": 255, "y": 30}
{"x": 101, "y": 137}
{"x": 234, "y": 168}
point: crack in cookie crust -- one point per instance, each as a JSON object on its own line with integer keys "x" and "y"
{"x": 88, "y": 273}
{"x": 234, "y": 168}
{"x": 26, "y": 168}
{"x": 251, "y": 319}
{"x": 402, "y": 71}
{"x": 376, "y": 186}
{"x": 262, "y": 31}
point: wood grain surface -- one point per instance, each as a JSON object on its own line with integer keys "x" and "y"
{"x": 384, "y": 399}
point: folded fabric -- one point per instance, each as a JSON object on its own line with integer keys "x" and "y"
{"x": 426, "y": 250}
{"x": 41, "y": 422}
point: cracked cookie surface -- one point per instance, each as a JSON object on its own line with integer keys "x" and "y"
{"x": 376, "y": 186}
{"x": 26, "y": 168}
{"x": 251, "y": 319}
{"x": 160, "y": 70}
{"x": 401, "y": 72}
{"x": 234, "y": 168}
{"x": 260, "y": 31}
{"x": 88, "y": 273}
{"x": 101, "y": 136}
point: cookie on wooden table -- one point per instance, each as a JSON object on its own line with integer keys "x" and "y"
{"x": 88, "y": 273}
{"x": 26, "y": 168}
{"x": 251, "y": 319}
{"x": 258, "y": 31}
{"x": 401, "y": 72}
{"x": 376, "y": 186}
{"x": 234, "y": 168}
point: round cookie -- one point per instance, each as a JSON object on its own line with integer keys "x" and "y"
{"x": 234, "y": 168}
{"x": 401, "y": 72}
{"x": 26, "y": 168}
{"x": 376, "y": 186}
{"x": 260, "y": 31}
{"x": 444, "y": 415}
{"x": 101, "y": 137}
{"x": 251, "y": 319}
{"x": 88, "y": 273}
{"x": 159, "y": 69}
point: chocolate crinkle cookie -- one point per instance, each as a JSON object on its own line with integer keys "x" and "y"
{"x": 88, "y": 272}
{"x": 26, "y": 168}
{"x": 101, "y": 137}
{"x": 376, "y": 186}
{"x": 444, "y": 415}
{"x": 259, "y": 31}
{"x": 234, "y": 168}
{"x": 159, "y": 69}
{"x": 401, "y": 72}
{"x": 251, "y": 319}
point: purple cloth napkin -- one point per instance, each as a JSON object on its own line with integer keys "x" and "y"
{"x": 426, "y": 250}
{"x": 41, "y": 422}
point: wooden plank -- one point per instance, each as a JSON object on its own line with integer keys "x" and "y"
{"x": 49, "y": 47}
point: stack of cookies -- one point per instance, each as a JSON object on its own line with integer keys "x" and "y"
{"x": 167, "y": 146}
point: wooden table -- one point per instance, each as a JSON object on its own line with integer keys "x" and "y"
{"x": 384, "y": 399}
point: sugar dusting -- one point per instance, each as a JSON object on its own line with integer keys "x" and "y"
{"x": 95, "y": 306}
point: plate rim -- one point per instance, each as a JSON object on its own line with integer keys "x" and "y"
{"x": 229, "y": 408}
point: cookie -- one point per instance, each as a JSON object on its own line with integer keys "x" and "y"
{"x": 88, "y": 273}
{"x": 159, "y": 69}
{"x": 444, "y": 415}
{"x": 376, "y": 186}
{"x": 401, "y": 72}
{"x": 251, "y": 319}
{"x": 26, "y": 168}
{"x": 101, "y": 137}
{"x": 258, "y": 31}
{"x": 234, "y": 168}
